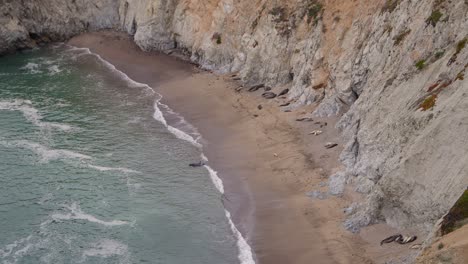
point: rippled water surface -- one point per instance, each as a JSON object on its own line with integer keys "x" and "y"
{"x": 87, "y": 175}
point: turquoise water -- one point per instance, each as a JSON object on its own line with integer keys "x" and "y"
{"x": 88, "y": 175}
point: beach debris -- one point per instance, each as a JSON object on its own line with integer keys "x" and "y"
{"x": 275, "y": 154}
{"x": 316, "y": 132}
{"x": 330, "y": 145}
{"x": 198, "y": 164}
{"x": 267, "y": 88}
{"x": 287, "y": 111}
{"x": 237, "y": 79}
{"x": 398, "y": 239}
{"x": 255, "y": 115}
{"x": 234, "y": 75}
{"x": 259, "y": 107}
{"x": 305, "y": 119}
{"x": 269, "y": 95}
{"x": 317, "y": 195}
{"x": 285, "y": 104}
{"x": 285, "y": 91}
{"x": 256, "y": 87}
{"x": 416, "y": 246}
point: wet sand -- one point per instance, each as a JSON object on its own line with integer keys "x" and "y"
{"x": 267, "y": 160}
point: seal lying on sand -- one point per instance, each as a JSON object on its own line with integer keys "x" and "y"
{"x": 198, "y": 164}
{"x": 406, "y": 239}
{"x": 390, "y": 239}
{"x": 399, "y": 239}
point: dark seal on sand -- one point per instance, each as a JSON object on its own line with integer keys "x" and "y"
{"x": 285, "y": 91}
{"x": 269, "y": 95}
{"x": 256, "y": 87}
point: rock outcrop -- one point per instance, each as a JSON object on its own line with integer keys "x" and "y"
{"x": 24, "y": 24}
{"x": 395, "y": 70}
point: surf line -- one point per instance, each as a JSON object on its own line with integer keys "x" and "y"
{"x": 245, "y": 254}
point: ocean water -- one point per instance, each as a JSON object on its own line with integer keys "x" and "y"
{"x": 93, "y": 169}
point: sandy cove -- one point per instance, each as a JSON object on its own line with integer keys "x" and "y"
{"x": 267, "y": 159}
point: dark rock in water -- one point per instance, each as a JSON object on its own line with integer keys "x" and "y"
{"x": 304, "y": 119}
{"x": 256, "y": 87}
{"x": 267, "y": 88}
{"x": 330, "y": 145}
{"x": 285, "y": 91}
{"x": 260, "y": 107}
{"x": 269, "y": 95}
{"x": 285, "y": 104}
{"x": 198, "y": 164}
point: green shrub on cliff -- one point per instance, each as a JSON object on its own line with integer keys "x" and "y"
{"x": 314, "y": 11}
{"x": 420, "y": 64}
{"x": 435, "y": 17}
{"x": 457, "y": 216}
{"x": 429, "y": 102}
{"x": 461, "y": 45}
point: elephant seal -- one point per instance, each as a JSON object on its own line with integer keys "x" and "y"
{"x": 390, "y": 239}
{"x": 285, "y": 91}
{"x": 269, "y": 95}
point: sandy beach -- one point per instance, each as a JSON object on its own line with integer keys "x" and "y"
{"x": 267, "y": 159}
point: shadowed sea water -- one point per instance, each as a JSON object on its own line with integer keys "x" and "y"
{"x": 88, "y": 175}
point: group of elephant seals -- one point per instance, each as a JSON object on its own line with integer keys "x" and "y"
{"x": 399, "y": 239}
{"x": 198, "y": 164}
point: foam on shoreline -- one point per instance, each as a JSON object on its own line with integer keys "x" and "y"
{"x": 245, "y": 254}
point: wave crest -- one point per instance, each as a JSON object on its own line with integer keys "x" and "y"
{"x": 75, "y": 213}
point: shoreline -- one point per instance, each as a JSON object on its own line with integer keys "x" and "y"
{"x": 258, "y": 153}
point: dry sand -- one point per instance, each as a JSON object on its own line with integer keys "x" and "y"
{"x": 267, "y": 160}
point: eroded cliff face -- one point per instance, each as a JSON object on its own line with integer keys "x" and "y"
{"x": 393, "y": 68}
{"x": 396, "y": 68}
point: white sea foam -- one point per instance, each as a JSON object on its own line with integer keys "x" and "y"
{"x": 218, "y": 183}
{"x": 54, "y": 69}
{"x": 10, "y": 248}
{"x": 245, "y": 253}
{"x": 31, "y": 67}
{"x": 48, "y": 154}
{"x": 31, "y": 114}
{"x": 102, "y": 168}
{"x": 75, "y": 213}
{"x": 158, "y": 115}
{"x": 106, "y": 248}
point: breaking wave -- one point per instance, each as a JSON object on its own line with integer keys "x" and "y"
{"x": 245, "y": 255}
{"x": 31, "y": 114}
{"x": 75, "y": 213}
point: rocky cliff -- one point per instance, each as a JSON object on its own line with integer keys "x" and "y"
{"x": 394, "y": 69}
